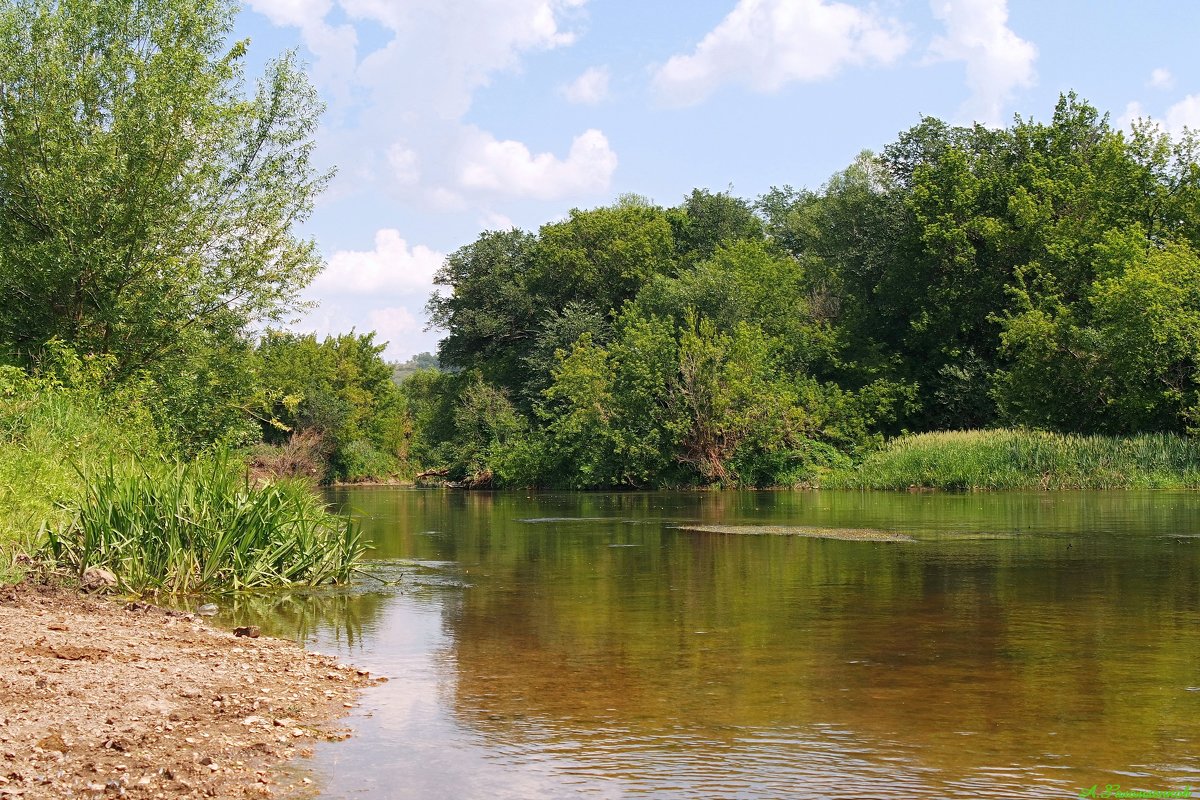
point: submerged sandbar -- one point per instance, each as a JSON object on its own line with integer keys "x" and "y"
{"x": 847, "y": 534}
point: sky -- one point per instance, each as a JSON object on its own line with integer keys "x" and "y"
{"x": 447, "y": 118}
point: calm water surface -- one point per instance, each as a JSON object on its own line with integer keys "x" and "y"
{"x": 578, "y": 645}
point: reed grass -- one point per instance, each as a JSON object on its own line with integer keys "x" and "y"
{"x": 1023, "y": 459}
{"x": 166, "y": 527}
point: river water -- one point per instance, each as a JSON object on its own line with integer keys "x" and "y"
{"x": 581, "y": 645}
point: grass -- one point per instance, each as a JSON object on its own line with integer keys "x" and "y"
{"x": 1022, "y": 459}
{"x": 165, "y": 527}
{"x": 49, "y": 435}
{"x": 85, "y": 478}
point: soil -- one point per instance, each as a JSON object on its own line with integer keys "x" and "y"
{"x": 100, "y": 699}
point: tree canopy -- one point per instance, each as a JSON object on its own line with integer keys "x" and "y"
{"x": 148, "y": 201}
{"x": 1044, "y": 275}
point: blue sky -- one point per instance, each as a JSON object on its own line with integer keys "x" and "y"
{"x": 449, "y": 117}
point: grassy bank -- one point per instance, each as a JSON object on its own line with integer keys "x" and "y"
{"x": 1020, "y": 459}
{"x": 86, "y": 480}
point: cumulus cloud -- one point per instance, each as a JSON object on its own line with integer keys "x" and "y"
{"x": 509, "y": 168}
{"x": 588, "y": 89}
{"x": 998, "y": 61}
{"x": 1161, "y": 78}
{"x": 493, "y": 221}
{"x": 393, "y": 267}
{"x": 417, "y": 87}
{"x": 333, "y": 46}
{"x": 393, "y": 324}
{"x": 1133, "y": 113}
{"x": 766, "y": 44}
{"x": 1184, "y": 114}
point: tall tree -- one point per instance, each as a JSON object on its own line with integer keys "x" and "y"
{"x": 147, "y": 202}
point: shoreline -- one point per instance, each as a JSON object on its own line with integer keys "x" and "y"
{"x": 103, "y": 700}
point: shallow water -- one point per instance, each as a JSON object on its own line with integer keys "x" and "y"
{"x": 551, "y": 646}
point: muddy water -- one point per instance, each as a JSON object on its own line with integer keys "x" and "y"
{"x": 551, "y": 646}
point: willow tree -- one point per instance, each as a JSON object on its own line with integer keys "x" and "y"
{"x": 148, "y": 199}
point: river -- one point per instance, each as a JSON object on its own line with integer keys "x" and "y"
{"x": 585, "y": 645}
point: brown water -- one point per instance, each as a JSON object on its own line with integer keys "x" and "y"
{"x": 558, "y": 646}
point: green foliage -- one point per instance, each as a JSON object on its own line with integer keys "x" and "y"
{"x": 118, "y": 234}
{"x": 608, "y": 419}
{"x": 52, "y": 429}
{"x": 707, "y": 221}
{"x": 602, "y": 256}
{"x": 1122, "y": 359}
{"x": 340, "y": 389}
{"x": 490, "y": 312}
{"x": 1044, "y": 275}
{"x": 1021, "y": 459}
{"x": 201, "y": 527}
{"x": 431, "y": 397}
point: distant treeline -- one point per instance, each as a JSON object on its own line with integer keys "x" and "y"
{"x": 1045, "y": 276}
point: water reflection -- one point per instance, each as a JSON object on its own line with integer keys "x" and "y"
{"x": 1023, "y": 645}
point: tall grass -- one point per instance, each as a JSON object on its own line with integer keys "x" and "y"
{"x": 165, "y": 527}
{"x": 49, "y": 434}
{"x": 1021, "y": 459}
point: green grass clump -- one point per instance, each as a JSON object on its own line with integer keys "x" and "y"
{"x": 1023, "y": 459}
{"x": 166, "y": 527}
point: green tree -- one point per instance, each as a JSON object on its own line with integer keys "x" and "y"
{"x": 340, "y": 389}
{"x": 489, "y": 312}
{"x": 1123, "y": 359}
{"x": 706, "y": 221}
{"x": 602, "y": 256}
{"x": 147, "y": 204}
{"x": 608, "y": 419}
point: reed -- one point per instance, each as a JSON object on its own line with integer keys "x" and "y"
{"x": 1024, "y": 459}
{"x": 166, "y": 527}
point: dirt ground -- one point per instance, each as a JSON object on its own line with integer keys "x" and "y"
{"x": 100, "y": 699}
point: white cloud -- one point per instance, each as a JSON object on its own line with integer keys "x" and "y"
{"x": 1184, "y": 114}
{"x": 393, "y": 324}
{"x": 417, "y": 87}
{"x": 333, "y": 47}
{"x": 767, "y": 44}
{"x": 405, "y": 164}
{"x": 1133, "y": 113}
{"x": 392, "y": 267}
{"x": 588, "y": 89}
{"x": 998, "y": 61}
{"x": 508, "y": 168}
{"x": 492, "y": 221}
{"x": 1161, "y": 78}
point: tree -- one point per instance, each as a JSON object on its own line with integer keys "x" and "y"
{"x": 341, "y": 390}
{"x": 602, "y": 256}
{"x": 489, "y": 312}
{"x": 705, "y": 221}
{"x": 147, "y": 204}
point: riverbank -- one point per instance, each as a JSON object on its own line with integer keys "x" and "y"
{"x": 1023, "y": 459}
{"x": 100, "y": 699}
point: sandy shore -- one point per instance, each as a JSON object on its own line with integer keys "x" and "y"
{"x": 99, "y": 699}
